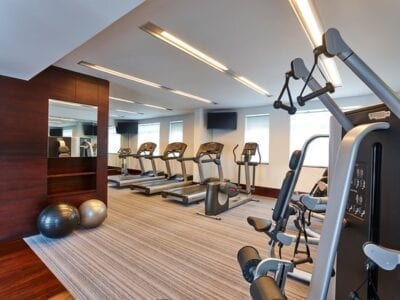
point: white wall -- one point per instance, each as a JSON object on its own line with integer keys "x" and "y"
{"x": 130, "y": 140}
{"x": 268, "y": 175}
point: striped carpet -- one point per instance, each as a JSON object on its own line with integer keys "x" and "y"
{"x": 150, "y": 248}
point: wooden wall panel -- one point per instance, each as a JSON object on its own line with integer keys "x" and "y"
{"x": 23, "y": 150}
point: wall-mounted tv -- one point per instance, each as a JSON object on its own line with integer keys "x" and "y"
{"x": 126, "y": 127}
{"x": 56, "y": 131}
{"x": 222, "y": 120}
{"x": 89, "y": 129}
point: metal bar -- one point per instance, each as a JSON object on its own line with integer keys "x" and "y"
{"x": 300, "y": 71}
{"x": 340, "y": 186}
{"x": 335, "y": 46}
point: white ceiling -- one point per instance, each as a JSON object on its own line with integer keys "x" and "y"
{"x": 256, "y": 39}
{"x": 35, "y": 34}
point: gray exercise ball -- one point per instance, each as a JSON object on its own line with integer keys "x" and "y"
{"x": 93, "y": 212}
{"x": 58, "y": 220}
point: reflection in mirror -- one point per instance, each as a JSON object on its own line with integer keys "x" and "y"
{"x": 72, "y": 129}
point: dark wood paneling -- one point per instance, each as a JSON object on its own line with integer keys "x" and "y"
{"x": 71, "y": 165}
{"x": 23, "y": 151}
{"x": 102, "y": 142}
{"x": 23, "y": 275}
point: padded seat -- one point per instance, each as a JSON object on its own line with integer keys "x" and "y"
{"x": 259, "y": 224}
{"x": 265, "y": 288}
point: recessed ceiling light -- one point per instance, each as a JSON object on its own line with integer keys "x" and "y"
{"x": 121, "y": 100}
{"x": 156, "y": 106}
{"x": 119, "y": 74}
{"x": 62, "y": 119}
{"x": 64, "y": 102}
{"x": 190, "y": 96}
{"x": 251, "y": 85}
{"x": 171, "y": 39}
{"x": 309, "y": 20}
{"x": 128, "y": 111}
{"x": 139, "y": 103}
{"x": 136, "y": 79}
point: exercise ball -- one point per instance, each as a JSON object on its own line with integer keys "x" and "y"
{"x": 93, "y": 212}
{"x": 58, "y": 220}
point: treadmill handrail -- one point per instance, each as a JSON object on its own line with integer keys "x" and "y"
{"x": 340, "y": 186}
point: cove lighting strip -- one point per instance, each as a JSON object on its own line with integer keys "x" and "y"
{"x": 142, "y": 81}
{"x": 169, "y": 38}
{"x": 309, "y": 20}
{"x": 134, "y": 102}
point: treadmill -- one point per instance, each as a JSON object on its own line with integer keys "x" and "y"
{"x": 173, "y": 151}
{"x": 207, "y": 153}
{"x": 145, "y": 151}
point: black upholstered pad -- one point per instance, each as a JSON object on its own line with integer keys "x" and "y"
{"x": 259, "y": 224}
{"x": 265, "y": 288}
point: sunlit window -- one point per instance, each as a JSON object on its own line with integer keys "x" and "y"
{"x": 149, "y": 132}
{"x": 257, "y": 131}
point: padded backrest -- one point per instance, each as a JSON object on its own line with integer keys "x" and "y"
{"x": 294, "y": 160}
{"x": 283, "y": 193}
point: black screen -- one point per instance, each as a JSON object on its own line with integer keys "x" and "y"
{"x": 56, "y": 131}
{"x": 222, "y": 120}
{"x": 89, "y": 129}
{"x": 127, "y": 127}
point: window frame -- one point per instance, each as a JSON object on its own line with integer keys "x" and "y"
{"x": 169, "y": 133}
{"x": 308, "y": 164}
{"x": 109, "y": 139}
{"x": 263, "y": 161}
{"x": 139, "y": 142}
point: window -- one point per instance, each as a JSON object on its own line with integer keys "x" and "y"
{"x": 303, "y": 125}
{"x": 149, "y": 132}
{"x": 114, "y": 140}
{"x": 67, "y": 132}
{"x": 257, "y": 131}
{"x": 176, "y": 131}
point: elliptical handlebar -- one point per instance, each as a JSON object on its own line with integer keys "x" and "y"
{"x": 234, "y": 153}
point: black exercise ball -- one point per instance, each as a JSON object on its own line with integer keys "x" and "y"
{"x": 58, "y": 220}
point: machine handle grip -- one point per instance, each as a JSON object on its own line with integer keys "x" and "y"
{"x": 290, "y": 109}
{"x": 328, "y": 88}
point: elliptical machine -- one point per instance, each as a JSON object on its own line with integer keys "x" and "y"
{"x": 222, "y": 196}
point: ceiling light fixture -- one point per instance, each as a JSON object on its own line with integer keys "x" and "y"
{"x": 118, "y": 74}
{"x": 128, "y": 111}
{"x": 139, "y": 103}
{"x": 64, "y": 103}
{"x": 156, "y": 106}
{"x": 309, "y": 20}
{"x": 171, "y": 39}
{"x": 190, "y": 96}
{"x": 251, "y": 85}
{"x": 63, "y": 119}
{"x": 181, "y": 45}
{"x": 136, "y": 79}
{"x": 122, "y": 100}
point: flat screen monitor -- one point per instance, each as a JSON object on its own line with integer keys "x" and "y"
{"x": 56, "y": 131}
{"x": 127, "y": 127}
{"x": 89, "y": 129}
{"x": 222, "y": 120}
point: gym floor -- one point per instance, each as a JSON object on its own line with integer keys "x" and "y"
{"x": 193, "y": 239}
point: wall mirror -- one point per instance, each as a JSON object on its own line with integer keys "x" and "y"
{"x": 72, "y": 130}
